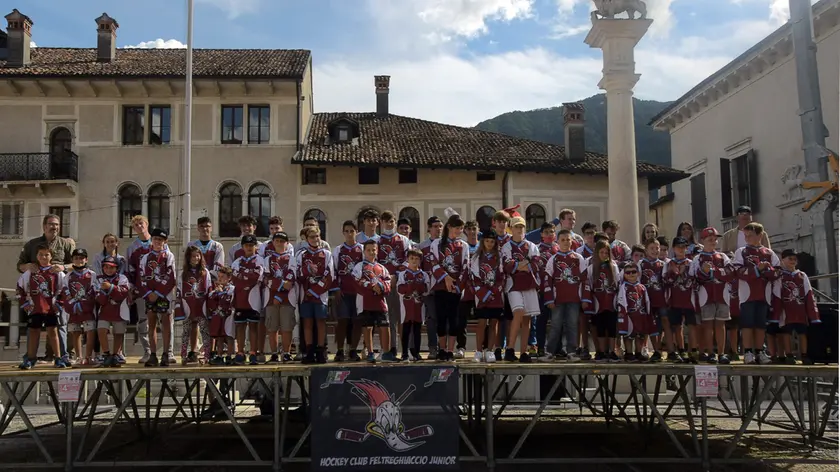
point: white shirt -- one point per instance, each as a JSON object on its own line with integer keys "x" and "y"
{"x": 742, "y": 240}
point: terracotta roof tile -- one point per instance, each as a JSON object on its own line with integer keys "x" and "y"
{"x": 398, "y": 141}
{"x": 163, "y": 63}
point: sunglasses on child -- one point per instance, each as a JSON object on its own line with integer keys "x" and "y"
{"x": 631, "y": 272}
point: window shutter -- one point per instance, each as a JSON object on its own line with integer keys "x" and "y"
{"x": 726, "y": 188}
{"x": 698, "y": 201}
{"x": 752, "y": 166}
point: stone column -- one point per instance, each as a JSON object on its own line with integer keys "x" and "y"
{"x": 617, "y": 38}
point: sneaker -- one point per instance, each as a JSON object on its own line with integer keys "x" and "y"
{"x": 613, "y": 357}
{"x": 497, "y": 353}
{"x": 525, "y": 358}
{"x": 165, "y": 360}
{"x": 217, "y": 360}
{"x": 239, "y": 359}
{"x": 656, "y": 356}
{"x": 541, "y": 353}
{"x": 120, "y": 358}
{"x": 510, "y": 355}
{"x": 585, "y": 356}
{"x": 441, "y": 355}
{"x": 562, "y": 355}
{"x": 371, "y": 358}
{"x": 710, "y": 359}
{"x": 735, "y": 357}
{"x": 694, "y": 357}
{"x": 354, "y": 356}
{"x": 152, "y": 361}
{"x": 274, "y": 359}
{"x": 807, "y": 360}
{"x": 460, "y": 353}
{"x": 703, "y": 357}
{"x": 309, "y": 358}
{"x": 572, "y": 357}
{"x": 192, "y": 358}
{"x": 790, "y": 360}
{"x": 389, "y": 357}
{"x": 549, "y": 357}
{"x": 489, "y": 357}
{"x": 414, "y": 355}
{"x": 320, "y": 356}
{"x": 339, "y": 356}
{"x": 763, "y": 358}
{"x": 723, "y": 359}
{"x": 145, "y": 358}
{"x": 781, "y": 360}
{"x": 252, "y": 359}
{"x": 684, "y": 357}
{"x": 260, "y": 358}
{"x": 532, "y": 351}
{"x": 433, "y": 354}
{"x": 600, "y": 357}
{"x": 479, "y": 356}
{"x": 450, "y": 356}
{"x": 629, "y": 357}
{"x": 287, "y": 357}
{"x": 108, "y": 361}
{"x": 749, "y": 358}
{"x": 299, "y": 357}
{"x": 673, "y": 357}
{"x": 26, "y": 364}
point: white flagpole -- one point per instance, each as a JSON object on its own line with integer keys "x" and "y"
{"x": 186, "y": 218}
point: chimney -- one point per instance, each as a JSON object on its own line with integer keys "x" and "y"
{"x": 573, "y": 133}
{"x": 19, "y": 36}
{"x": 106, "y": 38}
{"x": 382, "y": 83}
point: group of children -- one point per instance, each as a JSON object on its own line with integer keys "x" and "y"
{"x": 592, "y": 287}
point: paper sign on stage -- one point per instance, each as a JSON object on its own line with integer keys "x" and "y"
{"x": 69, "y": 384}
{"x": 705, "y": 381}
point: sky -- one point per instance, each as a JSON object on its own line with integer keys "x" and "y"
{"x": 452, "y": 61}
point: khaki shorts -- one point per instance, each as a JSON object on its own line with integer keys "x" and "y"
{"x": 279, "y": 318}
{"x": 116, "y": 327}
{"x": 81, "y": 327}
{"x": 715, "y": 312}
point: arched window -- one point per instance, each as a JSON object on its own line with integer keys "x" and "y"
{"x": 230, "y": 209}
{"x": 484, "y": 217}
{"x": 534, "y": 216}
{"x": 130, "y": 204}
{"x": 320, "y": 217}
{"x": 360, "y": 220}
{"x": 159, "y": 207}
{"x": 413, "y": 216}
{"x": 259, "y": 206}
{"x": 61, "y": 144}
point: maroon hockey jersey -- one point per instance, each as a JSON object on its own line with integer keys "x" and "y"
{"x": 38, "y": 292}
{"x": 754, "y": 283}
{"x": 77, "y": 295}
{"x": 314, "y": 274}
{"x": 279, "y": 273}
{"x": 564, "y": 278}
{"x": 651, "y": 275}
{"x": 512, "y": 254}
{"x": 711, "y": 287}
{"x": 598, "y": 291}
{"x": 793, "y": 299}
{"x": 413, "y": 287}
{"x": 113, "y": 302}
{"x": 634, "y": 314}
{"x": 157, "y": 274}
{"x": 345, "y": 259}
{"x": 392, "y": 251}
{"x": 488, "y": 279}
{"x": 248, "y": 273}
{"x": 191, "y": 295}
{"x": 680, "y": 284}
{"x": 450, "y": 260}
{"x": 368, "y": 275}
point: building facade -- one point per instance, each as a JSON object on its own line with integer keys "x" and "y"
{"x": 738, "y": 135}
{"x": 97, "y": 135}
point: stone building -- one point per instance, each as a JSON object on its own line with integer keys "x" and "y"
{"x": 738, "y": 135}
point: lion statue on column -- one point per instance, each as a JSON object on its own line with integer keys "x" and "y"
{"x": 609, "y": 8}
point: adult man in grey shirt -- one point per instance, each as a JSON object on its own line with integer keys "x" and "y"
{"x": 61, "y": 248}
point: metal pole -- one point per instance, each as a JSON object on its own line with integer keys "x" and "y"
{"x": 186, "y": 218}
{"x": 814, "y": 133}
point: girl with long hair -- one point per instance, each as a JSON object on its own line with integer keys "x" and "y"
{"x": 685, "y": 230}
{"x": 450, "y": 257}
{"x": 193, "y": 287}
{"x": 649, "y": 231}
{"x": 601, "y": 286}
{"x": 110, "y": 247}
{"x": 487, "y": 276}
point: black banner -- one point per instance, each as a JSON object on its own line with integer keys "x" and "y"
{"x": 385, "y": 418}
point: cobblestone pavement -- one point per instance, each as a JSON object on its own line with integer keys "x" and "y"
{"x": 576, "y": 437}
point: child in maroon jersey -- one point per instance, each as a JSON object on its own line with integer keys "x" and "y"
{"x": 113, "y": 295}
{"x": 651, "y": 275}
{"x": 157, "y": 280}
{"x": 315, "y": 278}
{"x": 794, "y": 308}
{"x": 547, "y": 248}
{"x": 712, "y": 270}
{"x": 620, "y": 249}
{"x": 191, "y": 306}
{"x": 373, "y": 285}
{"x": 637, "y": 253}
{"x": 450, "y": 256}
{"x": 77, "y": 300}
{"x": 487, "y": 277}
{"x": 412, "y": 284}
{"x": 221, "y": 310}
{"x": 521, "y": 260}
{"x": 248, "y": 273}
{"x": 392, "y": 254}
{"x": 38, "y": 292}
{"x": 345, "y": 258}
{"x": 681, "y": 302}
{"x": 635, "y": 321}
{"x": 600, "y": 286}
{"x": 280, "y": 295}
{"x": 730, "y": 294}
{"x": 686, "y": 231}
{"x": 562, "y": 294}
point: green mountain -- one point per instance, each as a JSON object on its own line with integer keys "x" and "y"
{"x": 546, "y": 124}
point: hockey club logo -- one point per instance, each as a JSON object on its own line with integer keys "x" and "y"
{"x": 791, "y": 293}
{"x": 345, "y": 264}
{"x": 652, "y": 279}
{"x": 386, "y": 422}
{"x": 487, "y": 273}
{"x": 336, "y": 377}
{"x": 77, "y": 292}
{"x": 634, "y": 302}
{"x": 41, "y": 286}
{"x": 387, "y": 254}
{"x": 566, "y": 272}
{"x": 439, "y": 376}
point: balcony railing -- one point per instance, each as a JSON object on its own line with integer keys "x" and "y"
{"x": 39, "y": 166}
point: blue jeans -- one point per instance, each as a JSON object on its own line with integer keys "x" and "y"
{"x": 564, "y": 320}
{"x": 536, "y": 337}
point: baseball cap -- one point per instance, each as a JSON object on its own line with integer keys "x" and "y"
{"x": 710, "y": 231}
{"x": 489, "y": 234}
{"x": 517, "y": 221}
{"x": 280, "y": 235}
{"x": 788, "y": 253}
{"x": 110, "y": 260}
{"x": 403, "y": 221}
{"x": 679, "y": 241}
{"x": 79, "y": 252}
{"x": 248, "y": 239}
{"x": 157, "y": 232}
{"x": 744, "y": 209}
